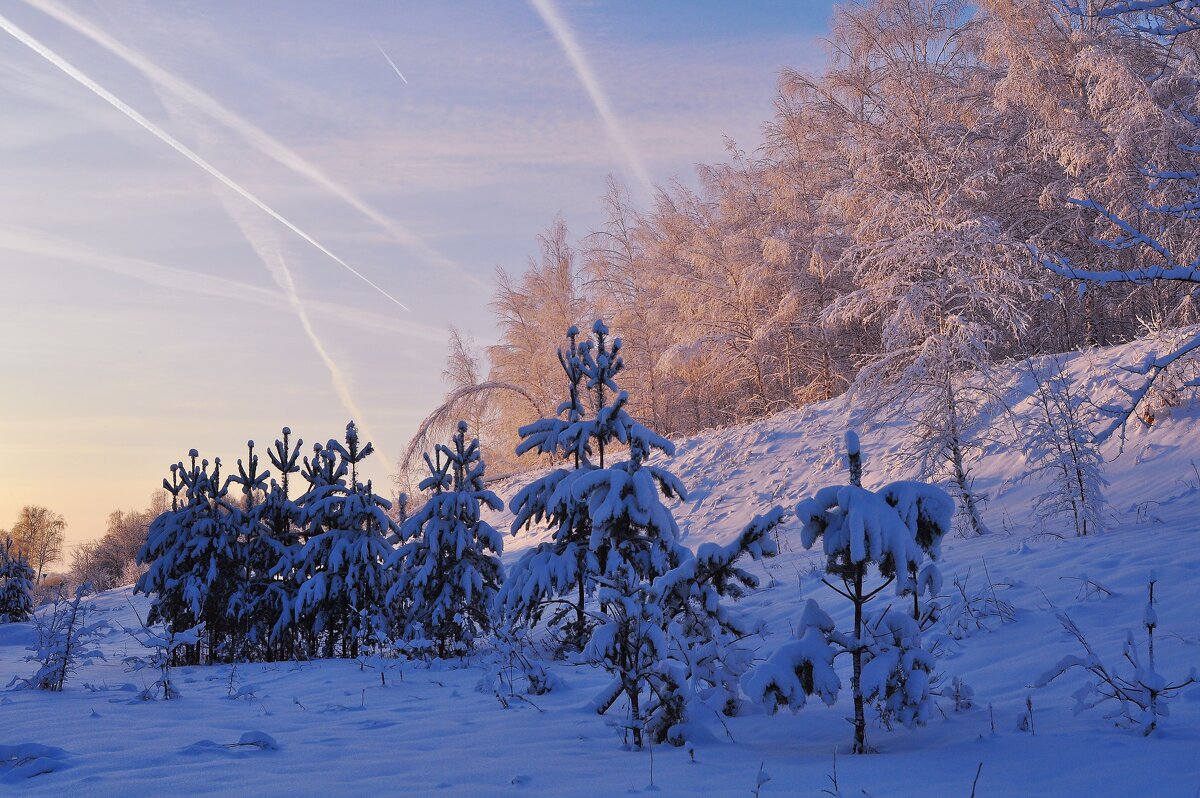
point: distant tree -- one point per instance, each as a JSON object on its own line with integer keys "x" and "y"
{"x": 38, "y": 534}
{"x": 107, "y": 562}
{"x": 16, "y": 585}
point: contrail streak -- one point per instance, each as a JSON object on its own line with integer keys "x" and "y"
{"x": 253, "y": 135}
{"x": 33, "y": 44}
{"x": 583, "y": 70}
{"x": 391, "y": 63}
{"x": 265, "y": 245}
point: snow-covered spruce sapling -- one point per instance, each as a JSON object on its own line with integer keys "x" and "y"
{"x": 192, "y": 552}
{"x": 344, "y": 583}
{"x": 250, "y": 604}
{"x": 1140, "y": 693}
{"x": 1059, "y": 445}
{"x": 674, "y": 651}
{"x": 65, "y": 641}
{"x": 16, "y": 585}
{"x": 893, "y": 531}
{"x": 274, "y": 604}
{"x": 559, "y": 575}
{"x": 448, "y": 567}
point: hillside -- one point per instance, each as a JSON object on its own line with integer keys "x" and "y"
{"x": 387, "y": 727}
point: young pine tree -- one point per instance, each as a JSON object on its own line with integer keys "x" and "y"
{"x": 602, "y": 514}
{"x": 557, "y": 573}
{"x": 660, "y": 629}
{"x": 252, "y": 606}
{"x": 448, "y": 567}
{"x": 891, "y": 532}
{"x": 278, "y": 598}
{"x": 193, "y": 556}
{"x": 343, "y": 579}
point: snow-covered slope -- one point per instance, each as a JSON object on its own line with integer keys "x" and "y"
{"x": 337, "y": 727}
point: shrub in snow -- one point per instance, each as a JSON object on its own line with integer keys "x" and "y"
{"x": 448, "y": 567}
{"x": 1140, "y": 693}
{"x": 893, "y": 530}
{"x": 162, "y": 646}
{"x": 513, "y": 670}
{"x": 16, "y": 585}
{"x": 1059, "y": 445}
{"x": 64, "y": 641}
{"x": 967, "y": 610}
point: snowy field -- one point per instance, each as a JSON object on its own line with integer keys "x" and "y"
{"x": 343, "y": 728}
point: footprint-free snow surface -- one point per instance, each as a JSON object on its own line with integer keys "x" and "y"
{"x": 401, "y": 728}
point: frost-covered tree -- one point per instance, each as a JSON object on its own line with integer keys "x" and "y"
{"x": 340, "y": 568}
{"x": 1139, "y": 70}
{"x": 448, "y": 566}
{"x": 1059, "y": 446}
{"x": 16, "y": 584}
{"x": 891, "y": 532}
{"x": 38, "y": 534}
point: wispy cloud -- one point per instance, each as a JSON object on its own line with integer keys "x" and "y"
{"x": 570, "y": 46}
{"x": 186, "y": 281}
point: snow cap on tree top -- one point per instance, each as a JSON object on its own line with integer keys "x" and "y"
{"x": 600, "y": 328}
{"x": 287, "y": 430}
{"x": 852, "y": 444}
{"x": 462, "y": 426}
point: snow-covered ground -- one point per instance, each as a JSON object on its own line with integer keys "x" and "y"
{"x": 336, "y": 727}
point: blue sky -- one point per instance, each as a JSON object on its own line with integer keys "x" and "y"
{"x": 146, "y": 308}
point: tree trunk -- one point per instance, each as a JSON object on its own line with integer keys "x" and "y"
{"x": 860, "y": 720}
